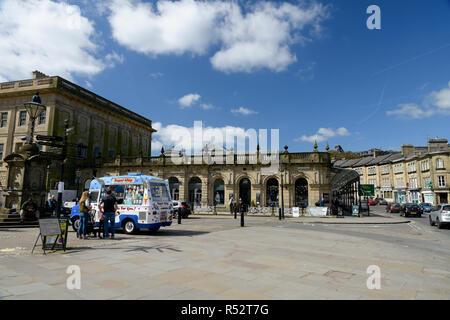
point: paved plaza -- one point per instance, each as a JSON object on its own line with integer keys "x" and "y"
{"x": 212, "y": 257}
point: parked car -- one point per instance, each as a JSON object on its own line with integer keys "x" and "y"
{"x": 181, "y": 207}
{"x": 440, "y": 216}
{"x": 411, "y": 209}
{"x": 393, "y": 208}
{"x": 373, "y": 201}
{"x": 383, "y": 202}
{"x": 176, "y": 208}
{"x": 426, "y": 207}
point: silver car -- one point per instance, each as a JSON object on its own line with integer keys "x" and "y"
{"x": 440, "y": 215}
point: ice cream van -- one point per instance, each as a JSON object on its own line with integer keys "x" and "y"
{"x": 143, "y": 201}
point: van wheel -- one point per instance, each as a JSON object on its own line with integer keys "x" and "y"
{"x": 431, "y": 221}
{"x": 76, "y": 224}
{"x": 129, "y": 227}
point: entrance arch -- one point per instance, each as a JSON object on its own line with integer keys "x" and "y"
{"x": 195, "y": 191}
{"x": 245, "y": 187}
{"x": 301, "y": 192}
{"x": 174, "y": 187}
{"x": 272, "y": 190}
{"x": 219, "y": 192}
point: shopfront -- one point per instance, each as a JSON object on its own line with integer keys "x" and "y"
{"x": 414, "y": 196}
{"x": 400, "y": 196}
{"x": 428, "y": 197}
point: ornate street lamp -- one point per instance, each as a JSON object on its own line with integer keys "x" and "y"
{"x": 34, "y": 109}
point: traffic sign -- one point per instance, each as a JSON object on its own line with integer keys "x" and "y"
{"x": 52, "y": 155}
{"x": 49, "y": 138}
{"x": 367, "y": 189}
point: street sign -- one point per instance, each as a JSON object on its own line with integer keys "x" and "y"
{"x": 367, "y": 190}
{"x": 50, "y": 144}
{"x": 49, "y": 138}
{"x": 52, "y": 155}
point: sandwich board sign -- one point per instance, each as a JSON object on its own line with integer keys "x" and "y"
{"x": 53, "y": 233}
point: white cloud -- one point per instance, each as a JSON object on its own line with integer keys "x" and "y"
{"x": 206, "y": 106}
{"x": 437, "y": 102}
{"x": 181, "y": 137}
{"x": 170, "y": 27}
{"x": 262, "y": 37}
{"x": 112, "y": 58}
{"x": 410, "y": 111}
{"x": 243, "y": 111}
{"x": 441, "y": 98}
{"x": 156, "y": 75}
{"x": 53, "y": 37}
{"x": 188, "y": 100}
{"x": 259, "y": 38}
{"x": 324, "y": 134}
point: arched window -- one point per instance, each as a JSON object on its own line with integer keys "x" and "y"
{"x": 174, "y": 187}
{"x": 219, "y": 192}
{"x": 245, "y": 187}
{"x": 195, "y": 191}
{"x": 272, "y": 192}
{"x": 301, "y": 193}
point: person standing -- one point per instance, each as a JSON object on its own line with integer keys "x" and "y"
{"x": 231, "y": 204}
{"x": 85, "y": 206}
{"x": 108, "y": 207}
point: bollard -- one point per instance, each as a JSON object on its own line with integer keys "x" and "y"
{"x": 279, "y": 213}
{"x": 242, "y": 218}
{"x": 235, "y": 214}
{"x": 179, "y": 217}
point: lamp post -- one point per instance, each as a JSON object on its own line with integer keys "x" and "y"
{"x": 77, "y": 180}
{"x": 282, "y": 166}
{"x": 34, "y": 109}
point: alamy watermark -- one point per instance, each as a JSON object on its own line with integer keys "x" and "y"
{"x": 227, "y": 145}
{"x": 374, "y": 280}
{"x": 374, "y": 21}
{"x": 74, "y": 280}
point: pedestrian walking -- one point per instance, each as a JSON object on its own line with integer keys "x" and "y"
{"x": 108, "y": 207}
{"x": 85, "y": 207}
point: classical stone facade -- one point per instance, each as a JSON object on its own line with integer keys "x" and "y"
{"x": 306, "y": 177}
{"x": 416, "y": 174}
{"x": 106, "y": 128}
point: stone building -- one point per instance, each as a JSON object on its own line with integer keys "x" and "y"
{"x": 416, "y": 174}
{"x": 106, "y": 128}
{"x": 119, "y": 141}
{"x": 249, "y": 176}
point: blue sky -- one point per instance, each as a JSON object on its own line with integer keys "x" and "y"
{"x": 311, "y": 69}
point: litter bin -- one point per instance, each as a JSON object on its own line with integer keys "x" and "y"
{"x": 355, "y": 210}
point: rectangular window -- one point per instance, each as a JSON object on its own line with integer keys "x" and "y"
{"x": 22, "y": 118}
{"x": 425, "y": 165}
{"x": 42, "y": 117}
{"x": 1, "y": 151}
{"x": 441, "y": 181}
{"x": 4, "y": 120}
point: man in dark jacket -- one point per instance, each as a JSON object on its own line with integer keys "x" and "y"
{"x": 108, "y": 207}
